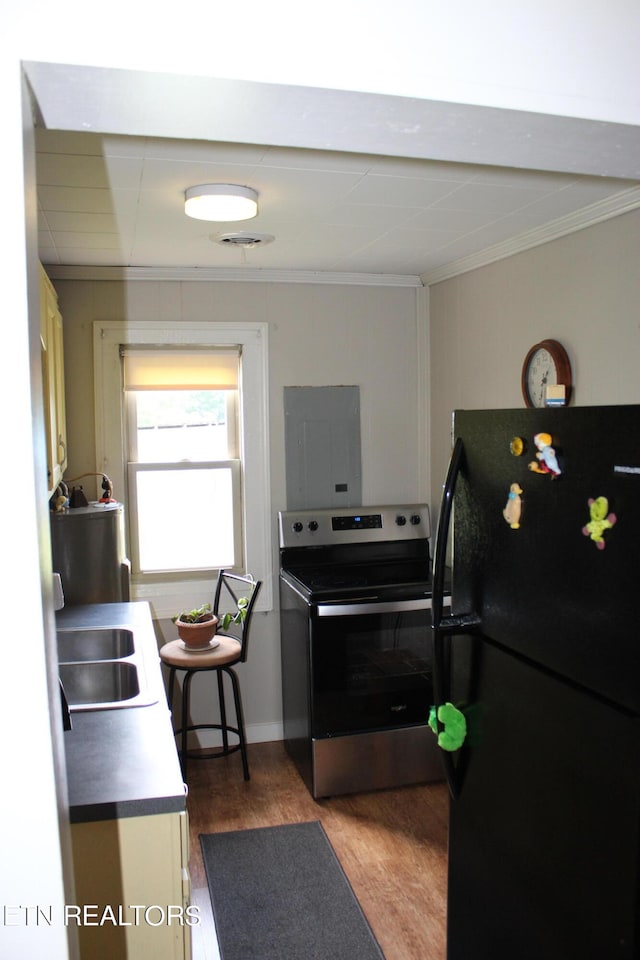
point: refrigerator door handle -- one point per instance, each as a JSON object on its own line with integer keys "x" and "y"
{"x": 445, "y": 626}
{"x": 451, "y": 623}
{"x": 442, "y": 534}
{"x": 459, "y": 623}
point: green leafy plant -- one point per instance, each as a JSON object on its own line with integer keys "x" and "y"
{"x": 198, "y": 615}
{"x": 238, "y": 616}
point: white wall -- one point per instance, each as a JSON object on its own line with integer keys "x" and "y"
{"x": 319, "y": 335}
{"x": 34, "y": 833}
{"x": 583, "y": 289}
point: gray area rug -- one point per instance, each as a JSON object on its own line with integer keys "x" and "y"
{"x": 280, "y": 893}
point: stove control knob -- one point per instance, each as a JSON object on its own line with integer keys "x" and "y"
{"x": 401, "y": 520}
{"x": 297, "y": 527}
{"x": 313, "y": 525}
{"x": 415, "y": 519}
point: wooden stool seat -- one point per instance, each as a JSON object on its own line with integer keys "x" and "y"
{"x": 174, "y": 654}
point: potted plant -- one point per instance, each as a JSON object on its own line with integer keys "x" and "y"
{"x": 196, "y": 628}
{"x": 194, "y": 625}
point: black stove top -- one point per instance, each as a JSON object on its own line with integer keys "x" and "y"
{"x": 328, "y": 580}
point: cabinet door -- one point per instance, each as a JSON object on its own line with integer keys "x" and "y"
{"x": 52, "y": 347}
{"x": 46, "y": 348}
{"x": 60, "y": 445}
{"x": 132, "y": 886}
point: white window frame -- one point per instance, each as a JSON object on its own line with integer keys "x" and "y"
{"x": 167, "y": 598}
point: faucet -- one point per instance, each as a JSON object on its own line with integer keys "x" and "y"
{"x": 66, "y": 712}
{"x": 58, "y": 593}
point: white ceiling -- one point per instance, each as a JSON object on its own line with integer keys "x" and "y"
{"x": 107, "y": 200}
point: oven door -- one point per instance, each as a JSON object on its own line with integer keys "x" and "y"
{"x": 371, "y": 665}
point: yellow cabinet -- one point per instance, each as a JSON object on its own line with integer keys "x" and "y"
{"x": 51, "y": 341}
{"x": 132, "y": 888}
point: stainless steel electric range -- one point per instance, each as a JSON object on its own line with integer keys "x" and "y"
{"x": 355, "y": 602}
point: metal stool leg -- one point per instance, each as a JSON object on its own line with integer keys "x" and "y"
{"x": 186, "y": 692}
{"x": 183, "y": 731}
{"x": 223, "y": 712}
{"x": 172, "y": 680}
{"x": 237, "y": 700}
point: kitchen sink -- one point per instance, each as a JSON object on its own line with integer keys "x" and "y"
{"x": 101, "y": 668}
{"x": 99, "y": 683}
{"x": 107, "y": 644}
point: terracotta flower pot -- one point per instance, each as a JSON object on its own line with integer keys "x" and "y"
{"x": 196, "y": 636}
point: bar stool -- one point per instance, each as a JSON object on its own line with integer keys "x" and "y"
{"x": 232, "y": 648}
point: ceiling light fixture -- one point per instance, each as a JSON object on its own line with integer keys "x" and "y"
{"x": 220, "y": 201}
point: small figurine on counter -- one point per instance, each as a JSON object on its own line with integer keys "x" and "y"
{"x": 546, "y": 460}
{"x": 60, "y": 500}
{"x": 513, "y": 508}
{"x": 107, "y": 490}
{"x": 600, "y": 521}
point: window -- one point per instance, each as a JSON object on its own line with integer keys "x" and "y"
{"x": 235, "y": 467}
{"x": 183, "y": 456}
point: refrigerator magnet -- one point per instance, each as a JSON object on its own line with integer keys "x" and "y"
{"x": 600, "y": 520}
{"x": 449, "y": 725}
{"x": 513, "y": 508}
{"x": 546, "y": 460}
{"x": 517, "y": 446}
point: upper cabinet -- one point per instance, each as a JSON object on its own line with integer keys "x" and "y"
{"x": 53, "y": 382}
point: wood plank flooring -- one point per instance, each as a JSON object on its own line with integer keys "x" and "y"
{"x": 392, "y": 844}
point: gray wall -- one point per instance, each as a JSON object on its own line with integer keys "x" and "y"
{"x": 583, "y": 289}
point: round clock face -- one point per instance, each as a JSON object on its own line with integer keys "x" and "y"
{"x": 540, "y": 374}
{"x": 546, "y": 364}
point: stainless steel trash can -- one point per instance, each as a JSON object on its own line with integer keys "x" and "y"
{"x": 89, "y": 553}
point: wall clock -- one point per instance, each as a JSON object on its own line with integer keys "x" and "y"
{"x": 546, "y": 364}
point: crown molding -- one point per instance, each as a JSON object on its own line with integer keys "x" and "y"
{"x": 95, "y": 272}
{"x": 614, "y": 206}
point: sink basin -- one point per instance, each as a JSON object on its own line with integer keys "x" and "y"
{"x": 107, "y": 644}
{"x": 99, "y": 684}
{"x": 103, "y": 668}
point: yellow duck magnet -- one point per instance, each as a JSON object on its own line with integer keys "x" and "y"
{"x": 513, "y": 508}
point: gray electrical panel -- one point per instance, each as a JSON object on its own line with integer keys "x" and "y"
{"x": 322, "y": 447}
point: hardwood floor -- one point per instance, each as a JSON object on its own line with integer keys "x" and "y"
{"x": 392, "y": 844}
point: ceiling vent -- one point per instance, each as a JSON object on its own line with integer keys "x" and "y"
{"x": 244, "y": 240}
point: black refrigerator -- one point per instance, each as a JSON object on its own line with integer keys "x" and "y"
{"x": 540, "y": 656}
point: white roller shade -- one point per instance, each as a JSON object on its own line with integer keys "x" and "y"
{"x": 181, "y": 370}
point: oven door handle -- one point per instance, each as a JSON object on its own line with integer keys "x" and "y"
{"x": 357, "y": 608}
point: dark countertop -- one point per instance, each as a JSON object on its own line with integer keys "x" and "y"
{"x": 122, "y": 762}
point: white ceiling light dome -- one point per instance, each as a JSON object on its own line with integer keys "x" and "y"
{"x": 222, "y": 202}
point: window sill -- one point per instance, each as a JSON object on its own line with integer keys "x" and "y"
{"x": 168, "y": 598}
